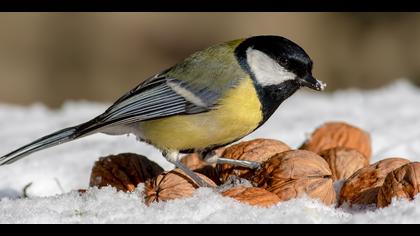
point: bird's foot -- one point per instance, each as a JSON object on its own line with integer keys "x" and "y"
{"x": 197, "y": 179}
{"x": 242, "y": 163}
{"x": 234, "y": 181}
{"x": 211, "y": 158}
{"x": 175, "y": 159}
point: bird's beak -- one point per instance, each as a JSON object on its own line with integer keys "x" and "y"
{"x": 312, "y": 83}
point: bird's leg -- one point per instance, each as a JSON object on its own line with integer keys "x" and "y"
{"x": 175, "y": 158}
{"x": 234, "y": 181}
{"x": 211, "y": 157}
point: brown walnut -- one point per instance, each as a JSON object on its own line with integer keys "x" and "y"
{"x": 363, "y": 186}
{"x": 252, "y": 196}
{"x": 171, "y": 185}
{"x": 123, "y": 171}
{"x": 292, "y": 174}
{"x": 403, "y": 182}
{"x": 339, "y": 134}
{"x": 343, "y": 162}
{"x": 258, "y": 150}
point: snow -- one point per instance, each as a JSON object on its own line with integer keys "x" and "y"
{"x": 390, "y": 114}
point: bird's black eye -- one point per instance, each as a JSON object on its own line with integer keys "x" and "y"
{"x": 283, "y": 61}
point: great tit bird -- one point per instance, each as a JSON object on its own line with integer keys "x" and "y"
{"x": 212, "y": 98}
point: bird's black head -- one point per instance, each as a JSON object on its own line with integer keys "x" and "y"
{"x": 278, "y": 66}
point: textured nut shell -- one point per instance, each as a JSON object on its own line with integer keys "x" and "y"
{"x": 258, "y": 150}
{"x": 171, "y": 185}
{"x": 319, "y": 188}
{"x": 343, "y": 162}
{"x": 123, "y": 171}
{"x": 403, "y": 182}
{"x": 363, "y": 186}
{"x": 252, "y": 196}
{"x": 292, "y": 165}
{"x": 291, "y": 174}
{"x": 211, "y": 172}
{"x": 194, "y": 162}
{"x": 339, "y": 134}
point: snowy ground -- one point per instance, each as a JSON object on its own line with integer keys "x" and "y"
{"x": 390, "y": 114}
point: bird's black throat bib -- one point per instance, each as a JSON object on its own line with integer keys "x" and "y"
{"x": 272, "y": 96}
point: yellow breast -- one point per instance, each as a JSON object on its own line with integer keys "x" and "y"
{"x": 238, "y": 114}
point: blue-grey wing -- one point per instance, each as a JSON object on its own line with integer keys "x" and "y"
{"x": 156, "y": 98}
{"x": 192, "y": 86}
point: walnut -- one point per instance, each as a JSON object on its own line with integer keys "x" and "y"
{"x": 403, "y": 182}
{"x": 123, "y": 171}
{"x": 295, "y": 173}
{"x": 210, "y": 172}
{"x": 343, "y": 162}
{"x": 252, "y": 196}
{"x": 258, "y": 150}
{"x": 193, "y": 161}
{"x": 171, "y": 185}
{"x": 339, "y": 134}
{"x": 363, "y": 186}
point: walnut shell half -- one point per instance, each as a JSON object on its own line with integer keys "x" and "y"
{"x": 363, "y": 186}
{"x": 258, "y": 150}
{"x": 171, "y": 185}
{"x": 403, "y": 182}
{"x": 252, "y": 196}
{"x": 343, "y": 162}
{"x": 339, "y": 134}
{"x": 123, "y": 171}
{"x": 295, "y": 173}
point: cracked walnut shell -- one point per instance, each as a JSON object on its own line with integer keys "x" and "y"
{"x": 123, "y": 171}
{"x": 296, "y": 173}
{"x": 403, "y": 182}
{"x": 363, "y": 186}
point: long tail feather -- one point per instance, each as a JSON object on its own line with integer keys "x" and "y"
{"x": 54, "y": 139}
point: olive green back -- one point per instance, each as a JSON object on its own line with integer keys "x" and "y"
{"x": 215, "y": 68}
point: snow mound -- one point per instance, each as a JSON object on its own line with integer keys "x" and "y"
{"x": 390, "y": 114}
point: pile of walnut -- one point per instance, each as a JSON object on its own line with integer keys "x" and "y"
{"x": 335, "y": 151}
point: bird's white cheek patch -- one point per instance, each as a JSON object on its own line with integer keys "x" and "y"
{"x": 266, "y": 70}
